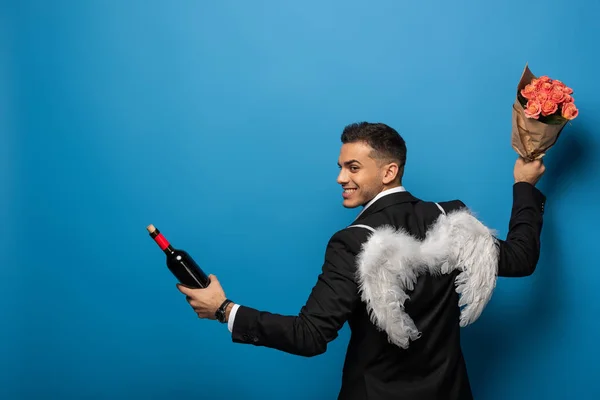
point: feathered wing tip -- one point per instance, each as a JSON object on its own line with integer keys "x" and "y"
{"x": 391, "y": 261}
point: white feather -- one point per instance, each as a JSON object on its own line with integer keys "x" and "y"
{"x": 391, "y": 261}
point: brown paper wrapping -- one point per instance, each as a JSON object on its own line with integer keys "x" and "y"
{"x": 531, "y": 139}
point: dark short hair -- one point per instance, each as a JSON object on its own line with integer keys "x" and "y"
{"x": 387, "y": 144}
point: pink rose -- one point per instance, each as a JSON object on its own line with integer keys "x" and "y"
{"x": 541, "y": 80}
{"x": 557, "y": 95}
{"x": 533, "y": 109}
{"x": 549, "y": 107}
{"x": 545, "y": 87}
{"x": 569, "y": 111}
{"x": 542, "y": 97}
{"x": 529, "y": 91}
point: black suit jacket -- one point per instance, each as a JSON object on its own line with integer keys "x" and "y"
{"x": 433, "y": 366}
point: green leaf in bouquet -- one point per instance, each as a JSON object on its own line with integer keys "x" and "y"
{"x": 554, "y": 119}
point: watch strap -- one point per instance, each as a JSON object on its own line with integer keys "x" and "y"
{"x": 220, "y": 314}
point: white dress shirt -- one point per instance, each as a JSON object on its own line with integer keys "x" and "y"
{"x": 397, "y": 189}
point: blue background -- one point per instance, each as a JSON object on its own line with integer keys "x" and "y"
{"x": 219, "y": 123}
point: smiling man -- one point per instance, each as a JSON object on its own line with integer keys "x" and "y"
{"x": 366, "y": 172}
{"x": 405, "y": 276}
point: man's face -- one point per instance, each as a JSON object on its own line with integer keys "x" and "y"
{"x": 360, "y": 175}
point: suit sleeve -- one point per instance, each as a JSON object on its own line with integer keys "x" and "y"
{"x": 329, "y": 305}
{"x": 520, "y": 252}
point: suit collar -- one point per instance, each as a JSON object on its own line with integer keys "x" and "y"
{"x": 387, "y": 192}
{"x": 386, "y": 199}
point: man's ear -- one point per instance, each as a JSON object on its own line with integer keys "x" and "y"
{"x": 391, "y": 172}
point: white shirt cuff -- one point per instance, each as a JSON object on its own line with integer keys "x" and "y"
{"x": 232, "y": 317}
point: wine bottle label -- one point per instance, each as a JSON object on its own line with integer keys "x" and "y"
{"x": 161, "y": 241}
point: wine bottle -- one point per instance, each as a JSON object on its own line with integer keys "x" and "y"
{"x": 179, "y": 262}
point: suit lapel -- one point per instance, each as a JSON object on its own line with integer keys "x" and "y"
{"x": 386, "y": 201}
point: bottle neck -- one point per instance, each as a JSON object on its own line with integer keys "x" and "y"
{"x": 169, "y": 250}
{"x": 163, "y": 243}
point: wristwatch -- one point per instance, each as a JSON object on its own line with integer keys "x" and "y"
{"x": 220, "y": 313}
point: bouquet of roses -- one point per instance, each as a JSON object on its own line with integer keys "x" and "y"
{"x": 541, "y": 110}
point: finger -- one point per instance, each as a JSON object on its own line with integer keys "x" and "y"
{"x": 184, "y": 289}
{"x": 213, "y": 279}
{"x": 205, "y": 315}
